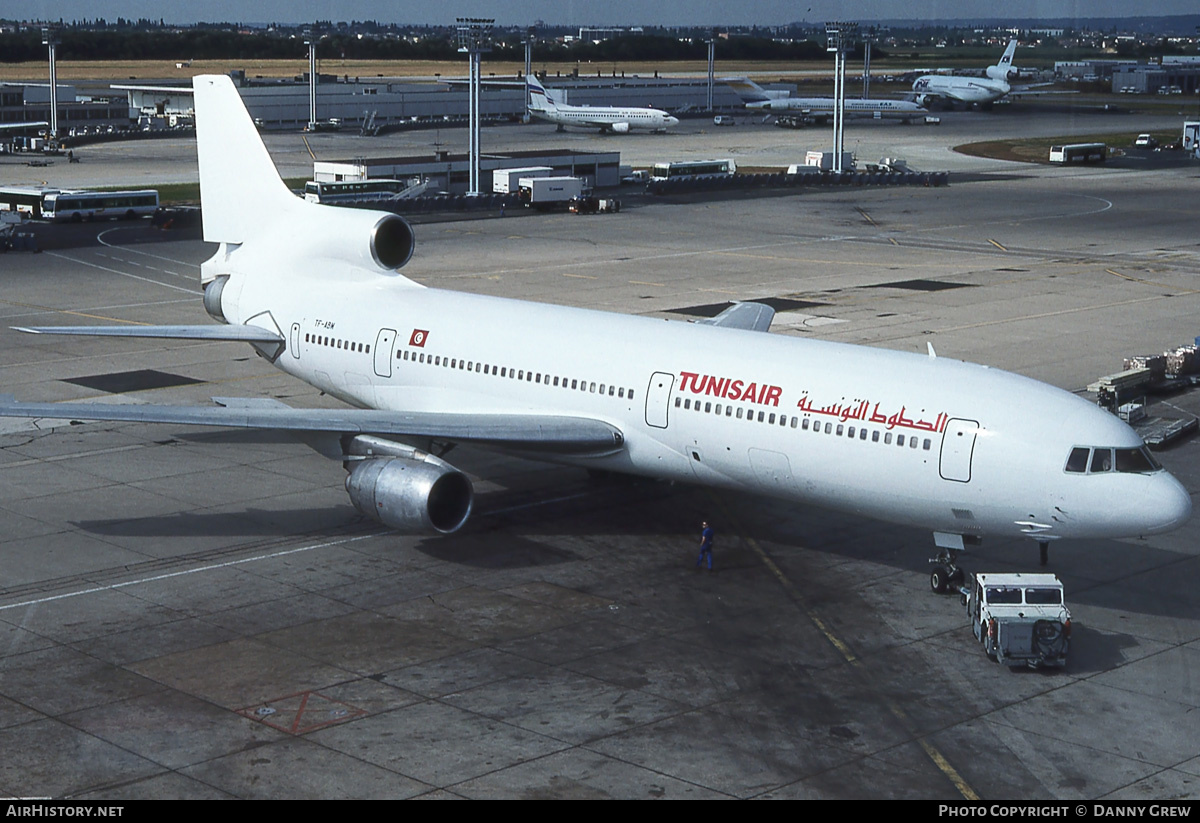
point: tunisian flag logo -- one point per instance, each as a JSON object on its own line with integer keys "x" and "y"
{"x": 419, "y": 336}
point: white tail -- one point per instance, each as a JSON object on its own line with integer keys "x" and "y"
{"x": 240, "y": 188}
{"x": 539, "y": 98}
{"x": 249, "y": 210}
{"x": 1003, "y": 70}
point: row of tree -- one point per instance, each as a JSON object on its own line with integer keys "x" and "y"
{"x": 117, "y": 43}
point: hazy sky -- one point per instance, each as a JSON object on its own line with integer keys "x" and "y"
{"x": 575, "y": 12}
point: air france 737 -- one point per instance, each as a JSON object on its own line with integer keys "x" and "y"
{"x": 962, "y": 450}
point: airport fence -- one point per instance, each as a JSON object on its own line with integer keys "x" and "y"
{"x": 747, "y": 182}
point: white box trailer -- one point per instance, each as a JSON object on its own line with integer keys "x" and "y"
{"x": 544, "y": 192}
{"x": 824, "y": 160}
{"x": 1191, "y": 137}
{"x": 505, "y": 181}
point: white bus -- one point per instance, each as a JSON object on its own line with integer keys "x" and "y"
{"x": 694, "y": 169}
{"x": 1079, "y": 153}
{"x": 350, "y": 191}
{"x": 25, "y": 199}
{"x": 74, "y": 206}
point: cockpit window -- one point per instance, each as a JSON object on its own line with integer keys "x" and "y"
{"x": 1078, "y": 460}
{"x": 1043, "y": 597}
{"x": 1136, "y": 460}
{"x": 1101, "y": 461}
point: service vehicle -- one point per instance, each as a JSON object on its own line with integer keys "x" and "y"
{"x": 548, "y": 192}
{"x": 594, "y": 205}
{"x": 1145, "y": 141}
{"x": 1079, "y": 153}
{"x": 1020, "y": 618}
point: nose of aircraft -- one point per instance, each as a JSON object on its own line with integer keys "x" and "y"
{"x": 672, "y": 121}
{"x": 1168, "y": 505}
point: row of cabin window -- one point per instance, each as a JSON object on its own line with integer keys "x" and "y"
{"x": 336, "y": 343}
{"x": 804, "y": 424}
{"x": 515, "y": 374}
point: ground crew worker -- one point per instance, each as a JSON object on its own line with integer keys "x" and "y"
{"x": 706, "y": 541}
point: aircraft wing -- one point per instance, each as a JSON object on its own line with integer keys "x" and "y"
{"x": 33, "y": 124}
{"x": 526, "y": 432}
{"x": 748, "y": 316}
{"x": 242, "y": 334}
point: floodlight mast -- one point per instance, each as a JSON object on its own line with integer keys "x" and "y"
{"x": 839, "y": 35}
{"x": 310, "y": 40}
{"x": 530, "y": 37}
{"x": 50, "y": 39}
{"x": 474, "y": 38}
{"x": 712, "y": 49}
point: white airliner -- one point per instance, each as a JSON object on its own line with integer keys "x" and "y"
{"x": 606, "y": 118}
{"x": 821, "y": 108}
{"x": 960, "y": 449}
{"x": 981, "y": 91}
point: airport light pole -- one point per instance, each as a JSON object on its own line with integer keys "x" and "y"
{"x": 474, "y": 36}
{"x": 50, "y": 39}
{"x": 530, "y": 36}
{"x": 310, "y": 40}
{"x": 868, "y": 38}
{"x": 712, "y": 50}
{"x": 838, "y": 37}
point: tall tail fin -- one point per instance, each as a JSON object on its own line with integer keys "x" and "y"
{"x": 240, "y": 188}
{"x": 747, "y": 89}
{"x": 539, "y": 98}
{"x": 1004, "y": 69}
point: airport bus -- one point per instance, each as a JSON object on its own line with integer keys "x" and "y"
{"x": 75, "y": 206}
{"x": 693, "y": 169}
{"x": 1079, "y": 153}
{"x": 350, "y": 191}
{"x": 25, "y": 199}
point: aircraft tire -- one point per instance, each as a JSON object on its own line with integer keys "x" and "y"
{"x": 938, "y": 579}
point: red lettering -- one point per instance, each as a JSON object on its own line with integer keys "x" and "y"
{"x": 751, "y": 393}
{"x": 699, "y": 383}
{"x": 773, "y": 393}
{"x": 685, "y": 377}
{"x": 735, "y": 390}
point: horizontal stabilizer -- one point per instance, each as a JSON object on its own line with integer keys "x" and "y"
{"x": 540, "y": 433}
{"x": 243, "y": 334}
{"x": 748, "y": 316}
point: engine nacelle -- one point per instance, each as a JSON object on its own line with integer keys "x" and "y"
{"x": 411, "y": 496}
{"x": 212, "y": 297}
{"x": 371, "y": 239}
{"x": 620, "y": 128}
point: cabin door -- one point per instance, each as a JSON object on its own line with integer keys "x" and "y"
{"x": 958, "y": 446}
{"x": 658, "y": 399}
{"x": 383, "y": 352}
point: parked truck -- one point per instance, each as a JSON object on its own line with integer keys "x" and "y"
{"x": 549, "y": 192}
{"x": 1020, "y": 619}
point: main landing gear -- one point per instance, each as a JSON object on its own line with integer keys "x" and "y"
{"x": 946, "y": 571}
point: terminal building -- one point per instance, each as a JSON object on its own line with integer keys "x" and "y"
{"x": 451, "y": 172}
{"x": 27, "y": 102}
{"x": 359, "y": 102}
